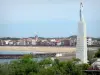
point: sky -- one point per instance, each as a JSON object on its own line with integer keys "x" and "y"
{"x": 47, "y": 18}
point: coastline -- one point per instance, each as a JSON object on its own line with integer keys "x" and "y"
{"x": 39, "y": 49}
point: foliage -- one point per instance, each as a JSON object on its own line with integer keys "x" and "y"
{"x": 9, "y": 38}
{"x": 91, "y": 56}
{"x": 27, "y": 66}
{"x": 97, "y": 54}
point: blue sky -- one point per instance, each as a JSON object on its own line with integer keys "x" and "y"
{"x": 47, "y": 18}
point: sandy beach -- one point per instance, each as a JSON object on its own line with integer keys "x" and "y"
{"x": 40, "y": 49}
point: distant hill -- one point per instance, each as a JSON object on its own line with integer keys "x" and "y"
{"x": 9, "y": 38}
{"x": 98, "y": 39}
{"x": 73, "y": 37}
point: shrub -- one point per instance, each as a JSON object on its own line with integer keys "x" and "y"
{"x": 97, "y": 54}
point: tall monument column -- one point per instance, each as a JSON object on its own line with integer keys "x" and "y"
{"x": 81, "y": 50}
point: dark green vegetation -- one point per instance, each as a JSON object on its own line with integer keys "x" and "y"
{"x": 9, "y": 38}
{"x": 97, "y": 54}
{"x": 93, "y": 56}
{"x": 26, "y": 66}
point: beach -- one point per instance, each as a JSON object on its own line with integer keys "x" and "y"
{"x": 39, "y": 49}
{"x": 42, "y": 48}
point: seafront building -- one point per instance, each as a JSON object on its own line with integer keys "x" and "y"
{"x": 36, "y": 41}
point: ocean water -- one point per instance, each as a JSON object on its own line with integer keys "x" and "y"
{"x": 17, "y": 52}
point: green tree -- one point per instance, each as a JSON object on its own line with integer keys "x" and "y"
{"x": 24, "y": 66}
{"x": 27, "y": 66}
{"x": 97, "y": 54}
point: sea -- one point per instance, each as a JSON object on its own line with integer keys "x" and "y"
{"x": 17, "y": 52}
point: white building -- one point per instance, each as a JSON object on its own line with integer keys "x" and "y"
{"x": 58, "y": 43}
{"x": 7, "y": 42}
{"x": 22, "y": 42}
{"x": 73, "y": 42}
{"x": 53, "y": 40}
{"x": 11, "y": 42}
{"x": 34, "y": 42}
{"x": 89, "y": 41}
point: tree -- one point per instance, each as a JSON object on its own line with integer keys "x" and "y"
{"x": 27, "y": 66}
{"x": 97, "y": 54}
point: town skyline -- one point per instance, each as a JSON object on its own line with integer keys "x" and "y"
{"x": 75, "y": 36}
{"x": 57, "y": 18}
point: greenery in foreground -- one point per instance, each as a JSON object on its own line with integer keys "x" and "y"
{"x": 93, "y": 56}
{"x": 26, "y": 66}
{"x": 97, "y": 54}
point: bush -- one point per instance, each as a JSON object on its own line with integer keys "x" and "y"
{"x": 97, "y": 54}
{"x": 26, "y": 66}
